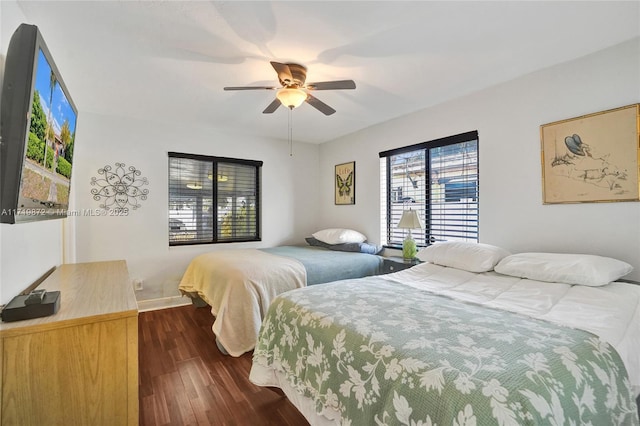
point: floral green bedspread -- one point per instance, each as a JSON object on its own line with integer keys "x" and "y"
{"x": 382, "y": 353}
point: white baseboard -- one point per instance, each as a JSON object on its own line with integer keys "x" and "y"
{"x": 162, "y": 303}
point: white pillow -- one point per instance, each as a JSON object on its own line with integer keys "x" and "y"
{"x": 472, "y": 257}
{"x": 583, "y": 269}
{"x": 339, "y": 236}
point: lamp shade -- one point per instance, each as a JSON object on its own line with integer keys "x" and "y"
{"x": 291, "y": 98}
{"x": 410, "y": 220}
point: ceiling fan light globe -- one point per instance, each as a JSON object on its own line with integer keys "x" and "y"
{"x": 291, "y": 97}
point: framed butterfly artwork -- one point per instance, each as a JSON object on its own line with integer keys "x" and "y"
{"x": 345, "y": 182}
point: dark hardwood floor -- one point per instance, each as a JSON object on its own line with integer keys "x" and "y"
{"x": 185, "y": 380}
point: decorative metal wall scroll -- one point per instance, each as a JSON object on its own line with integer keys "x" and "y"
{"x": 119, "y": 189}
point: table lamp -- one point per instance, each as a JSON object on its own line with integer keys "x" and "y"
{"x": 409, "y": 220}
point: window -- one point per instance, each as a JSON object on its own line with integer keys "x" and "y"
{"x": 439, "y": 179}
{"x": 213, "y": 199}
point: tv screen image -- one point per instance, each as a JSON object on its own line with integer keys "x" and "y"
{"x": 51, "y": 134}
{"x": 38, "y": 132}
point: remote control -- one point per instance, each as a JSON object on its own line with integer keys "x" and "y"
{"x": 35, "y": 297}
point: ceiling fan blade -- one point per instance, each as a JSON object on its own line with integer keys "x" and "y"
{"x": 251, "y": 88}
{"x": 332, "y": 85}
{"x": 284, "y": 73}
{"x": 319, "y": 105}
{"x": 272, "y": 106}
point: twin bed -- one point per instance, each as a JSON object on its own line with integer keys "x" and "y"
{"x": 549, "y": 340}
{"x": 239, "y": 285}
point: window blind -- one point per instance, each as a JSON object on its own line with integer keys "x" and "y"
{"x": 453, "y": 206}
{"x": 438, "y": 179}
{"x": 213, "y": 199}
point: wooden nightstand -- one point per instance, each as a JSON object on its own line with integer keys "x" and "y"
{"x": 397, "y": 263}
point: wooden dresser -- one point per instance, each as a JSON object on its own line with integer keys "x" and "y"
{"x": 79, "y": 366}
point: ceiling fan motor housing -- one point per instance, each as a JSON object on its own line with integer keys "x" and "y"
{"x": 298, "y": 74}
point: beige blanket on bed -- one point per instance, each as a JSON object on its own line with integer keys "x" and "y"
{"x": 239, "y": 285}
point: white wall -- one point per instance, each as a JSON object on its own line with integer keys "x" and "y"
{"x": 289, "y": 194}
{"x": 27, "y": 250}
{"x": 508, "y": 119}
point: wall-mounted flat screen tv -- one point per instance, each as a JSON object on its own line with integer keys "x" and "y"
{"x": 38, "y": 128}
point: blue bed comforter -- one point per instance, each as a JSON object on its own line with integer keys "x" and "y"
{"x": 323, "y": 265}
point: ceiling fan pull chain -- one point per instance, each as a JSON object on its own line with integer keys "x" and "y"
{"x": 290, "y": 132}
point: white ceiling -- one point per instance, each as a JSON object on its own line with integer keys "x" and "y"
{"x": 168, "y": 61}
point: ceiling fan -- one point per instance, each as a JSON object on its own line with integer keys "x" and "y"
{"x": 295, "y": 91}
